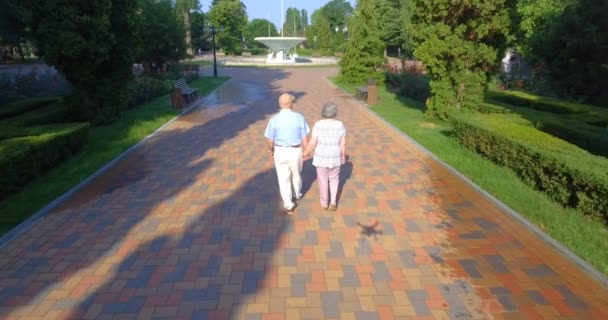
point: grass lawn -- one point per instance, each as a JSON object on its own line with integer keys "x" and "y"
{"x": 104, "y": 144}
{"x": 588, "y": 239}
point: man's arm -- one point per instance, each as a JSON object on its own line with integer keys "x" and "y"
{"x": 270, "y": 144}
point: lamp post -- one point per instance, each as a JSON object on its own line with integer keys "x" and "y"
{"x": 213, "y": 48}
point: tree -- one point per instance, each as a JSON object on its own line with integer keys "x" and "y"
{"x": 94, "y": 51}
{"x": 231, "y": 16}
{"x": 14, "y": 20}
{"x": 199, "y": 26}
{"x": 292, "y": 20}
{"x": 392, "y": 17}
{"x": 364, "y": 49}
{"x": 535, "y": 19}
{"x": 161, "y": 32}
{"x": 574, "y": 51}
{"x": 259, "y": 28}
{"x": 459, "y": 42}
{"x": 337, "y": 13}
{"x": 184, "y": 7}
{"x": 304, "y": 15}
{"x": 319, "y": 33}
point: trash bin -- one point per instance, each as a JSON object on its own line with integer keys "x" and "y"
{"x": 177, "y": 101}
{"x": 372, "y": 94}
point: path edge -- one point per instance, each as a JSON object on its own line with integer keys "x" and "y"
{"x": 26, "y": 224}
{"x": 563, "y": 250}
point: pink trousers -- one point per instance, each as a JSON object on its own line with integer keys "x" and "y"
{"x": 328, "y": 177}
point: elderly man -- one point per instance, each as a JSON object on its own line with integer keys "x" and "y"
{"x": 287, "y": 134}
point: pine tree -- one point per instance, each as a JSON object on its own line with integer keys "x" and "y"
{"x": 364, "y": 49}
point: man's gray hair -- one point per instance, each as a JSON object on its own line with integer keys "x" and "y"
{"x": 330, "y": 110}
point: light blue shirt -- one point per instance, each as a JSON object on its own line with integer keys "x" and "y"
{"x": 287, "y": 128}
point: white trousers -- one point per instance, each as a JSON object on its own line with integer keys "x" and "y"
{"x": 288, "y": 163}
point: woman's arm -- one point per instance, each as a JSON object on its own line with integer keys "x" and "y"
{"x": 310, "y": 147}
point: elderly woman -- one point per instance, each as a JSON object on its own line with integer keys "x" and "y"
{"x": 328, "y": 139}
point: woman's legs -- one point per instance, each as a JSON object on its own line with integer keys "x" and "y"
{"x": 323, "y": 179}
{"x": 334, "y": 180}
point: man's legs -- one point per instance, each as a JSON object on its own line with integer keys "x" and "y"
{"x": 295, "y": 166}
{"x": 282, "y": 165}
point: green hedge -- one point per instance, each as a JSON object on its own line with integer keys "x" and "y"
{"x": 56, "y": 112}
{"x": 24, "y": 158}
{"x": 568, "y": 174}
{"x": 23, "y": 106}
{"x": 145, "y": 88}
{"x": 523, "y": 99}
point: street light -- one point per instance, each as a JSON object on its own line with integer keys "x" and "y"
{"x": 213, "y": 48}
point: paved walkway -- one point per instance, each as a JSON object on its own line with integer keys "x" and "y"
{"x": 189, "y": 226}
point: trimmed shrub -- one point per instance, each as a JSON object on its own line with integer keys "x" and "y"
{"x": 24, "y": 158}
{"x": 145, "y": 88}
{"x": 56, "y": 112}
{"x": 568, "y": 174}
{"x": 409, "y": 84}
{"x": 23, "y": 106}
{"x": 523, "y": 99}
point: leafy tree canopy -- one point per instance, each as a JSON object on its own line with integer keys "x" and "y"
{"x": 230, "y": 19}
{"x": 259, "y": 28}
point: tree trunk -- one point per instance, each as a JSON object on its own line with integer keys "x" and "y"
{"x": 188, "y": 33}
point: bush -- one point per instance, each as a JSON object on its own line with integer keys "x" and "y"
{"x": 56, "y": 112}
{"x": 409, "y": 84}
{"x": 568, "y": 174}
{"x": 523, "y": 99}
{"x": 24, "y": 158}
{"x": 258, "y": 51}
{"x": 591, "y": 138}
{"x": 24, "y": 106}
{"x": 146, "y": 88}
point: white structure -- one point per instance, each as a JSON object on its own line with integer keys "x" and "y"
{"x": 279, "y": 46}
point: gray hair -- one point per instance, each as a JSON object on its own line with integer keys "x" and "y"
{"x": 330, "y": 110}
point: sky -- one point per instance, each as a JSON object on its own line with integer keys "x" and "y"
{"x": 271, "y": 9}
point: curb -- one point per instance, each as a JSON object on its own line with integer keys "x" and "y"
{"x": 42, "y": 213}
{"x": 564, "y": 251}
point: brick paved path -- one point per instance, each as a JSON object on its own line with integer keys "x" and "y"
{"x": 189, "y": 227}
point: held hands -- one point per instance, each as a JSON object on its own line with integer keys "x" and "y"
{"x": 343, "y": 159}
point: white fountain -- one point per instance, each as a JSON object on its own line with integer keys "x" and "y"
{"x": 279, "y": 46}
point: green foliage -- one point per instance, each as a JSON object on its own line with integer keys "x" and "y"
{"x": 337, "y": 12}
{"x": 364, "y": 50}
{"x": 14, "y": 20}
{"x": 535, "y": 19}
{"x": 161, "y": 33}
{"x": 409, "y": 84}
{"x": 393, "y": 16}
{"x": 184, "y": 7}
{"x": 458, "y": 42}
{"x": 55, "y": 112}
{"x": 26, "y": 105}
{"x": 144, "y": 89}
{"x": 569, "y": 175}
{"x": 259, "y": 28}
{"x": 574, "y": 51}
{"x": 319, "y": 34}
{"x": 23, "y": 158}
{"x": 232, "y": 17}
{"x": 94, "y": 52}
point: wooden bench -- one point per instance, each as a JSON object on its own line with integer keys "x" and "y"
{"x": 362, "y": 92}
{"x": 188, "y": 92}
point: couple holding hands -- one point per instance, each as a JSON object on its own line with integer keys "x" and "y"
{"x": 288, "y": 142}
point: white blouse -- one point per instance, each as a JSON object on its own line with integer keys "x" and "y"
{"x": 328, "y": 133}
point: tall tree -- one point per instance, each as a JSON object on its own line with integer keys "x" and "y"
{"x": 391, "y": 22}
{"x": 364, "y": 49}
{"x": 535, "y": 19}
{"x": 14, "y": 20}
{"x": 304, "y": 15}
{"x": 91, "y": 43}
{"x": 575, "y": 52}
{"x": 293, "y": 22}
{"x": 230, "y": 19}
{"x": 259, "y": 28}
{"x": 319, "y": 34}
{"x": 185, "y": 7}
{"x": 161, "y": 32}
{"x": 459, "y": 43}
{"x": 338, "y": 13}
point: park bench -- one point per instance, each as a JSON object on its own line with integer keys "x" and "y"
{"x": 363, "y": 90}
{"x": 188, "y": 92}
